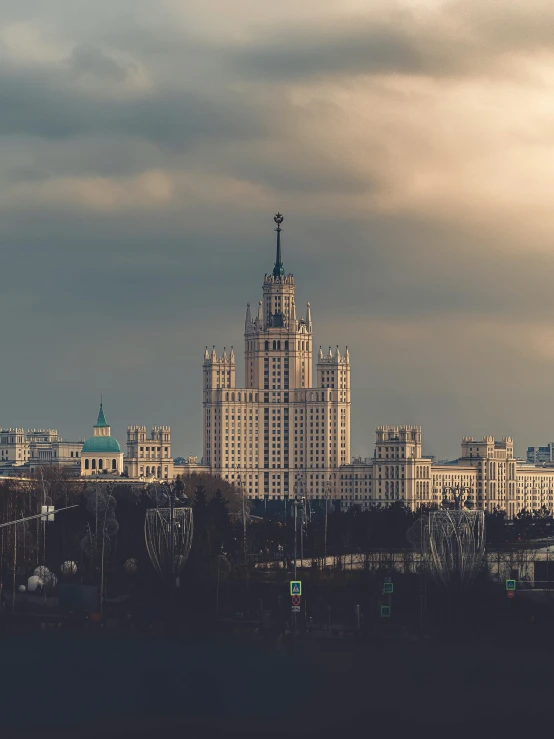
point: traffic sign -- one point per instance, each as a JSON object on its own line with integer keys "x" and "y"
{"x": 510, "y": 584}
{"x": 510, "y": 594}
{"x": 295, "y": 587}
{"x": 388, "y": 587}
{"x": 385, "y": 611}
{"x": 388, "y": 578}
{"x": 296, "y": 600}
{"x": 296, "y": 609}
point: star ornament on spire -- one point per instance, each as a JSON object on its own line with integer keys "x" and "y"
{"x": 278, "y": 218}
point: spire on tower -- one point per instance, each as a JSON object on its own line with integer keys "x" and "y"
{"x": 330, "y": 355}
{"x": 248, "y": 316}
{"x": 224, "y": 353}
{"x": 101, "y": 422}
{"x": 320, "y": 355}
{"x": 206, "y": 354}
{"x": 232, "y": 356}
{"x": 214, "y": 355}
{"x": 260, "y": 312}
{"x": 308, "y": 314}
{"x": 278, "y": 269}
{"x": 337, "y": 353}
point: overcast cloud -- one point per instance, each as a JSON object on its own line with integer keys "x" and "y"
{"x": 144, "y": 147}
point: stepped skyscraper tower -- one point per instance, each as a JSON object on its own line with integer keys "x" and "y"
{"x": 278, "y": 436}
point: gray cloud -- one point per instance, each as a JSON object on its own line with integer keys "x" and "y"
{"x": 48, "y": 104}
{"x": 87, "y": 60}
{"x": 457, "y": 39}
{"x": 439, "y": 314}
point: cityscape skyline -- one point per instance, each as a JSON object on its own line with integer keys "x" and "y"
{"x": 134, "y": 202}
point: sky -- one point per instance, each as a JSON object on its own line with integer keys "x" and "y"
{"x": 146, "y": 145}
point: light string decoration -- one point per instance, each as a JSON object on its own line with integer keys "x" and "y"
{"x": 168, "y": 535}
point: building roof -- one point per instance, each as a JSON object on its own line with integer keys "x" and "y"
{"x": 101, "y": 422}
{"x": 101, "y": 444}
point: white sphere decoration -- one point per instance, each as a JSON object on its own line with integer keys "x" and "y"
{"x": 33, "y": 582}
{"x": 22, "y": 588}
{"x": 69, "y": 568}
{"x": 49, "y": 580}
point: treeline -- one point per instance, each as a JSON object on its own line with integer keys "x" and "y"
{"x": 106, "y": 527}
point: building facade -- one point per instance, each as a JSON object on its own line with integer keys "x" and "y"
{"x": 149, "y": 457}
{"x": 279, "y": 434}
{"x": 37, "y": 448}
{"x": 541, "y": 454}
{"x": 487, "y": 471}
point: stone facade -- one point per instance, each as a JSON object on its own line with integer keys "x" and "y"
{"x": 149, "y": 457}
{"x": 487, "y": 471}
{"x": 278, "y": 433}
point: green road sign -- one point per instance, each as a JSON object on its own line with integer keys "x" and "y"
{"x": 295, "y": 587}
{"x": 388, "y": 588}
{"x": 510, "y": 584}
{"x": 385, "y": 611}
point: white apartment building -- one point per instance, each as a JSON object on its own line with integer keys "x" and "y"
{"x": 278, "y": 434}
{"x": 487, "y": 471}
{"x": 37, "y": 448}
{"x": 149, "y": 457}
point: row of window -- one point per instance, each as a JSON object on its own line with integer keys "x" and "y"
{"x": 100, "y": 464}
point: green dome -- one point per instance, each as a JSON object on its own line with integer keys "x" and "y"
{"x": 101, "y": 445}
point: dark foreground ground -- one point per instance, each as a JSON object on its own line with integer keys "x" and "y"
{"x": 95, "y": 685}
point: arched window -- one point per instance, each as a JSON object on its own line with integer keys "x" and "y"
{"x": 86, "y": 464}
{"x": 278, "y": 345}
{"x": 148, "y": 472}
{"x": 286, "y": 346}
{"x": 232, "y": 397}
{"x": 100, "y": 464}
{"x": 256, "y": 397}
{"x": 267, "y": 346}
{"x": 239, "y": 397}
{"x": 114, "y": 464}
{"x": 159, "y": 471}
{"x": 226, "y": 396}
{"x": 274, "y": 344}
{"x": 93, "y": 464}
{"x": 250, "y": 397}
{"x": 323, "y": 396}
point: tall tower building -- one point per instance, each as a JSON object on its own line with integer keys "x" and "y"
{"x": 278, "y": 436}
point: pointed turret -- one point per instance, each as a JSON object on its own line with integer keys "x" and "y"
{"x": 214, "y": 355}
{"x": 347, "y": 355}
{"x": 330, "y": 355}
{"x": 278, "y": 269}
{"x": 292, "y": 310}
{"x": 248, "y": 318}
{"x": 206, "y": 354}
{"x": 337, "y": 354}
{"x": 101, "y": 422}
{"x": 260, "y": 316}
{"x": 308, "y": 314}
{"x": 224, "y": 353}
{"x": 320, "y": 355}
{"x": 232, "y": 356}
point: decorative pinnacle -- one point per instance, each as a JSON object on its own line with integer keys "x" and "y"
{"x": 278, "y": 270}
